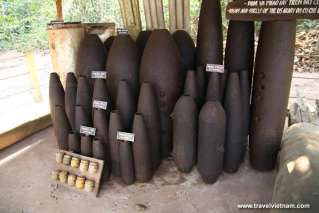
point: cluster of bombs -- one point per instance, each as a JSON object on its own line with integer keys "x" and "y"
{"x": 84, "y": 166}
{"x": 161, "y": 88}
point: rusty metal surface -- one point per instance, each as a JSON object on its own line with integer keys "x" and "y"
{"x": 70, "y": 98}
{"x": 272, "y": 79}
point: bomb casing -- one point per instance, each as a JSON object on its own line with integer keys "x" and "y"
{"x": 126, "y": 162}
{"x": 61, "y": 127}
{"x": 84, "y": 96}
{"x": 86, "y": 145}
{"x": 70, "y": 98}
{"x": 191, "y": 87}
{"x": 56, "y": 93}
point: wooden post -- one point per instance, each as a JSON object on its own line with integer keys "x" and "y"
{"x": 160, "y": 14}
{"x": 147, "y": 14}
{"x": 59, "y": 12}
{"x": 131, "y": 16}
{"x": 30, "y": 62}
{"x": 179, "y": 14}
{"x": 172, "y": 15}
{"x": 187, "y": 15}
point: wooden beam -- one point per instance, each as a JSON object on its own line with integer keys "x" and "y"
{"x": 160, "y": 14}
{"x": 131, "y": 16}
{"x": 179, "y": 15}
{"x": 172, "y": 15}
{"x": 147, "y": 14}
{"x": 187, "y": 15}
{"x": 31, "y": 67}
{"x": 59, "y": 11}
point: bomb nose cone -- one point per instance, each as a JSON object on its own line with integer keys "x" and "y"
{"x": 142, "y": 39}
{"x": 56, "y": 93}
{"x": 142, "y": 150}
{"x": 211, "y": 137}
{"x": 61, "y": 127}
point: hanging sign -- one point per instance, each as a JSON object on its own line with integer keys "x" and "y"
{"x": 268, "y": 10}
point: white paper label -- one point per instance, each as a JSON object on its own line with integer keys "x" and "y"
{"x": 99, "y": 104}
{"x": 215, "y": 68}
{"x": 125, "y": 136}
{"x": 86, "y": 130}
{"x": 122, "y": 31}
{"x": 98, "y": 74}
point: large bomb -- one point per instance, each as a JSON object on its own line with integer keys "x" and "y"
{"x": 100, "y": 94}
{"x": 91, "y": 56}
{"x": 122, "y": 64}
{"x": 185, "y": 118}
{"x": 210, "y": 34}
{"x": 74, "y": 141}
{"x": 61, "y": 127}
{"x": 82, "y": 118}
{"x": 147, "y": 106}
{"x": 142, "y": 39}
{"x": 56, "y": 93}
{"x": 213, "y": 92}
{"x": 86, "y": 145}
{"x": 115, "y": 125}
{"x": 234, "y": 142}
{"x": 186, "y": 48}
{"x": 160, "y": 66}
{"x": 201, "y": 83}
{"x": 191, "y": 86}
{"x": 70, "y": 98}
{"x": 84, "y": 96}
{"x": 272, "y": 79}
{"x": 211, "y": 137}
{"x": 142, "y": 150}
{"x": 126, "y": 162}
{"x": 126, "y": 104}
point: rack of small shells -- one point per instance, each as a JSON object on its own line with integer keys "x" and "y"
{"x": 78, "y": 172}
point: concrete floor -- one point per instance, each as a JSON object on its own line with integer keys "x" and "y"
{"x": 25, "y": 187}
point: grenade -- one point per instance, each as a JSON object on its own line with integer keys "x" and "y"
{"x": 245, "y": 107}
{"x": 234, "y": 142}
{"x": 213, "y": 92}
{"x": 91, "y": 57}
{"x": 70, "y": 98}
{"x": 211, "y": 138}
{"x": 272, "y": 79}
{"x": 115, "y": 125}
{"x": 142, "y": 39}
{"x": 84, "y": 96}
{"x": 56, "y": 93}
{"x": 126, "y": 105}
{"x": 160, "y": 67}
{"x": 142, "y": 150}
{"x": 147, "y": 106}
{"x": 74, "y": 141}
{"x": 126, "y": 162}
{"x": 191, "y": 86}
{"x": 185, "y": 119}
{"x": 122, "y": 64}
{"x": 61, "y": 127}
{"x": 186, "y": 48}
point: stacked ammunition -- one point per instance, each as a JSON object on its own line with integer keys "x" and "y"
{"x": 170, "y": 97}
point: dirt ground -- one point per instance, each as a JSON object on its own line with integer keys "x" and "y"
{"x": 25, "y": 186}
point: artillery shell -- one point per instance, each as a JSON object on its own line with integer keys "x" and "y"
{"x": 160, "y": 67}
{"x": 99, "y": 152}
{"x": 115, "y": 125}
{"x": 81, "y": 118}
{"x": 185, "y": 119}
{"x": 186, "y": 48}
{"x": 86, "y": 145}
{"x": 272, "y": 80}
{"x": 126, "y": 162}
{"x": 126, "y": 105}
{"x": 142, "y": 39}
{"x": 74, "y": 142}
{"x": 142, "y": 150}
{"x": 210, "y": 34}
{"x": 201, "y": 82}
{"x": 56, "y": 93}
{"x": 122, "y": 64}
{"x": 91, "y": 57}
{"x": 61, "y": 127}
{"x": 211, "y": 138}
{"x": 100, "y": 93}
{"x": 234, "y": 142}
{"x": 147, "y": 106}
{"x": 84, "y": 96}
{"x": 70, "y": 98}
{"x": 213, "y": 92}
{"x": 191, "y": 86}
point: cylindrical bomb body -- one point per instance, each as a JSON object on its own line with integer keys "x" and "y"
{"x": 70, "y": 98}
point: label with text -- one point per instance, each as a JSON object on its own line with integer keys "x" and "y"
{"x": 265, "y": 10}
{"x": 125, "y": 136}
{"x": 122, "y": 31}
{"x": 99, "y": 104}
{"x": 215, "y": 68}
{"x": 98, "y": 74}
{"x": 86, "y": 130}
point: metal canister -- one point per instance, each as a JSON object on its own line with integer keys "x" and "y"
{"x": 55, "y": 175}
{"x": 89, "y": 185}
{"x": 75, "y": 162}
{"x": 71, "y": 179}
{"x": 79, "y": 183}
{"x": 84, "y": 165}
{"x": 63, "y": 176}
{"x": 66, "y": 160}
{"x": 93, "y": 167}
{"x": 59, "y": 157}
